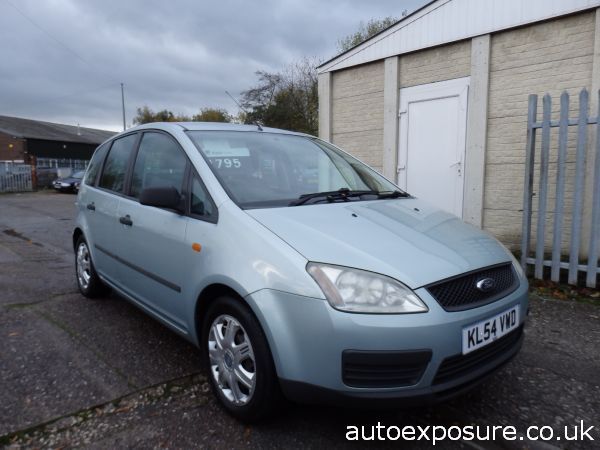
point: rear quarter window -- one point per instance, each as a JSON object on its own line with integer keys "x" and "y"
{"x": 115, "y": 167}
{"x": 95, "y": 165}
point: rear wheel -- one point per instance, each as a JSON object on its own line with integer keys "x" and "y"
{"x": 239, "y": 362}
{"x": 88, "y": 281}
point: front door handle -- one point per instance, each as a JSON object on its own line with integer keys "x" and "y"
{"x": 91, "y": 206}
{"x": 126, "y": 220}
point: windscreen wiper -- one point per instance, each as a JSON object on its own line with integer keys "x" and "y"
{"x": 344, "y": 194}
{"x": 392, "y": 194}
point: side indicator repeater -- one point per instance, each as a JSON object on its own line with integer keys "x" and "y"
{"x": 196, "y": 247}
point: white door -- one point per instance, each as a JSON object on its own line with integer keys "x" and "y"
{"x": 433, "y": 121}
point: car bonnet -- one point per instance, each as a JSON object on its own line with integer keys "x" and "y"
{"x": 402, "y": 238}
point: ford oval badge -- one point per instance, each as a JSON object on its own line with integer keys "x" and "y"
{"x": 486, "y": 284}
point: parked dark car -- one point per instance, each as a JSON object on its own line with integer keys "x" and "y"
{"x": 70, "y": 183}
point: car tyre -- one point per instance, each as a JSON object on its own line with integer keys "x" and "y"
{"x": 88, "y": 281}
{"x": 239, "y": 362}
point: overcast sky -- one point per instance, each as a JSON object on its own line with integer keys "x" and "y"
{"x": 62, "y": 60}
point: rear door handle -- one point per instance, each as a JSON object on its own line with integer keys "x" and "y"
{"x": 91, "y": 206}
{"x": 126, "y": 220}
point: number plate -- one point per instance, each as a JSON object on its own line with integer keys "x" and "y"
{"x": 487, "y": 331}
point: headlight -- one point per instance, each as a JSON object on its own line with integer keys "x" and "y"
{"x": 356, "y": 290}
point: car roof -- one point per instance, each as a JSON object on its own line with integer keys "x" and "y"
{"x": 212, "y": 126}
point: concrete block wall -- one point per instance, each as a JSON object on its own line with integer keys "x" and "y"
{"x": 357, "y": 112}
{"x": 548, "y": 57}
{"x": 436, "y": 64}
{"x": 357, "y": 96}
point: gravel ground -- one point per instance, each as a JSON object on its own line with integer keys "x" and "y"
{"x": 101, "y": 374}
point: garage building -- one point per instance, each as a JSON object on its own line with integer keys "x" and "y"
{"x": 22, "y": 140}
{"x": 438, "y": 101}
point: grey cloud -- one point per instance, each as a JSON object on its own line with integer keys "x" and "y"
{"x": 180, "y": 55}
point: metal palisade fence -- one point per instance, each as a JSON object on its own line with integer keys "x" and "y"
{"x": 16, "y": 178}
{"x": 568, "y": 219}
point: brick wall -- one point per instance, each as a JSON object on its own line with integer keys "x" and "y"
{"x": 357, "y": 113}
{"x": 547, "y": 57}
{"x": 436, "y": 64}
{"x": 10, "y": 148}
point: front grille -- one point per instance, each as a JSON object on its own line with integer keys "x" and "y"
{"x": 461, "y": 292}
{"x": 456, "y": 366}
{"x": 383, "y": 369}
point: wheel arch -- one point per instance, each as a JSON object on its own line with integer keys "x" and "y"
{"x": 77, "y": 233}
{"x": 208, "y": 295}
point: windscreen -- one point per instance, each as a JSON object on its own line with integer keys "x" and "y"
{"x": 261, "y": 169}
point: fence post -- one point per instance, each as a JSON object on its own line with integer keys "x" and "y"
{"x": 578, "y": 186}
{"x": 543, "y": 190}
{"x": 34, "y": 179}
{"x": 528, "y": 185}
{"x": 592, "y": 272}
{"x": 560, "y": 186}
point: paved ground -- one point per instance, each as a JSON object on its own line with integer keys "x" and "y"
{"x": 75, "y": 372}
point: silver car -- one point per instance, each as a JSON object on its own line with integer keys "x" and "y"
{"x": 297, "y": 270}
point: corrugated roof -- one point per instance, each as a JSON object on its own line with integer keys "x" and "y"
{"x": 442, "y": 21}
{"x": 37, "y": 129}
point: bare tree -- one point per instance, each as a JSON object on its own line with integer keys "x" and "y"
{"x": 365, "y": 31}
{"x": 286, "y": 99}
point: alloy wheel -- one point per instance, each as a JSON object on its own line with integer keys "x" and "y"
{"x": 232, "y": 363}
{"x": 84, "y": 266}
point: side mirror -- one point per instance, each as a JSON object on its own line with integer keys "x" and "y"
{"x": 162, "y": 197}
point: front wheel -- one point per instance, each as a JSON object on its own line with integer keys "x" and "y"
{"x": 237, "y": 356}
{"x": 88, "y": 281}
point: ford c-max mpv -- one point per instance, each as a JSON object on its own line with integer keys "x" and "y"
{"x": 297, "y": 270}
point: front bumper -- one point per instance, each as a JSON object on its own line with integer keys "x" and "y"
{"x": 60, "y": 187}
{"x": 307, "y": 338}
